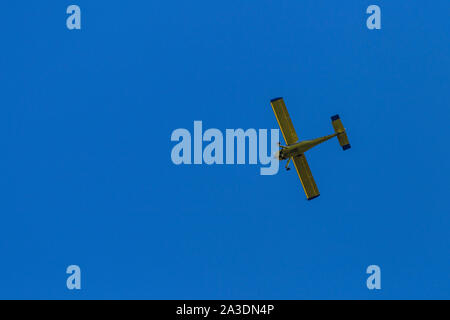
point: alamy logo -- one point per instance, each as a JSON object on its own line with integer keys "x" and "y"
{"x": 73, "y": 22}
{"x": 374, "y": 20}
{"x": 374, "y": 280}
{"x": 74, "y": 280}
{"x": 235, "y": 140}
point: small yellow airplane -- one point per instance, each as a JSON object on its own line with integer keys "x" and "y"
{"x": 294, "y": 150}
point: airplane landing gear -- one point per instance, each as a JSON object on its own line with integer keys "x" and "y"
{"x": 287, "y": 164}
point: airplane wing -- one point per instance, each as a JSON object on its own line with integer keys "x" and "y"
{"x": 305, "y": 175}
{"x": 284, "y": 121}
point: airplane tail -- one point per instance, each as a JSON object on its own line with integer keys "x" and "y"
{"x": 340, "y": 130}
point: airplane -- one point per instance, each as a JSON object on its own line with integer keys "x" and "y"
{"x": 295, "y": 150}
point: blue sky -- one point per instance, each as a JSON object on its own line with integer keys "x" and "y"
{"x": 86, "y": 120}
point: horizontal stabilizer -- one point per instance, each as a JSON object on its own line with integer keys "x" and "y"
{"x": 340, "y": 130}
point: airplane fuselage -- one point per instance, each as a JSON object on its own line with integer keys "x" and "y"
{"x": 301, "y": 147}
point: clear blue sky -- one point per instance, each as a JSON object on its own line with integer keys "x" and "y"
{"x": 87, "y": 178}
